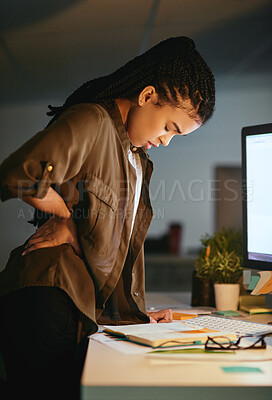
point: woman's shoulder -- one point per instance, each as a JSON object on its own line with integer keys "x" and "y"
{"x": 82, "y": 121}
{"x": 86, "y": 111}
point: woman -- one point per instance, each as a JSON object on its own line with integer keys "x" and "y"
{"x": 87, "y": 174}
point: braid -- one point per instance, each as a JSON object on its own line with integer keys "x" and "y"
{"x": 174, "y": 67}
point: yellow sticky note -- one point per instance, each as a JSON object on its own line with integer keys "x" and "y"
{"x": 179, "y": 316}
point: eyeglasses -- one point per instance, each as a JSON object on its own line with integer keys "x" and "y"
{"x": 224, "y": 343}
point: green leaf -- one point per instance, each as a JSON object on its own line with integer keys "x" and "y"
{"x": 224, "y": 264}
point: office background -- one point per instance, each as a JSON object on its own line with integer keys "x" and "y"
{"x": 48, "y": 49}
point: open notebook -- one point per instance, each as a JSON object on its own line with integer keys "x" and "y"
{"x": 164, "y": 334}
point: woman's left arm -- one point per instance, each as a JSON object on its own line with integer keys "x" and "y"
{"x": 52, "y": 156}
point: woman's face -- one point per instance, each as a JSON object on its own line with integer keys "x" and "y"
{"x": 149, "y": 125}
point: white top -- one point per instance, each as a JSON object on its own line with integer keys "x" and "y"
{"x": 135, "y": 161}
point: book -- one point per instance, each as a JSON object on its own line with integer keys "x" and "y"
{"x": 165, "y": 334}
{"x": 254, "y": 304}
{"x": 256, "y": 309}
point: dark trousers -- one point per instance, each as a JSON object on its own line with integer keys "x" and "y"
{"x": 38, "y": 344}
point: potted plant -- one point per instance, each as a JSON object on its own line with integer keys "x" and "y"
{"x": 220, "y": 261}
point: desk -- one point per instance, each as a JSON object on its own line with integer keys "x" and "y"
{"x": 111, "y": 375}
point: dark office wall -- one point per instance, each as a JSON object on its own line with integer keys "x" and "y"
{"x": 45, "y": 56}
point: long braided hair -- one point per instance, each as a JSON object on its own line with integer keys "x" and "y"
{"x": 174, "y": 67}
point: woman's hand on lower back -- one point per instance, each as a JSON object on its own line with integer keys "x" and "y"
{"x": 54, "y": 232}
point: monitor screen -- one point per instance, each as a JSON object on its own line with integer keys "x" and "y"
{"x": 257, "y": 196}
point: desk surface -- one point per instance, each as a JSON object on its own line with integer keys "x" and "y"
{"x": 109, "y": 374}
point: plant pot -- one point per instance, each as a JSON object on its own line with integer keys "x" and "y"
{"x": 226, "y": 296}
{"x": 202, "y": 292}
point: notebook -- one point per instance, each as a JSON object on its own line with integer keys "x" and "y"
{"x": 165, "y": 334}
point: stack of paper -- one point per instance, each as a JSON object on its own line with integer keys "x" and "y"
{"x": 259, "y": 284}
{"x": 264, "y": 285}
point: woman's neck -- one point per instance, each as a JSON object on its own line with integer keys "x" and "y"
{"x": 124, "y": 106}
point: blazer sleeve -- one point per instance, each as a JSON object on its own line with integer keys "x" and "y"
{"x": 53, "y": 155}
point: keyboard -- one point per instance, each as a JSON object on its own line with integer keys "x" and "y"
{"x": 230, "y": 325}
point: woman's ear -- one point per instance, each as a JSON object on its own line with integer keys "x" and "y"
{"x": 148, "y": 94}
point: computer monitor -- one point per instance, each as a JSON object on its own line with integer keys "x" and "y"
{"x": 257, "y": 196}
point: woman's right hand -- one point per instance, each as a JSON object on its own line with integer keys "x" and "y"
{"x": 54, "y": 232}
